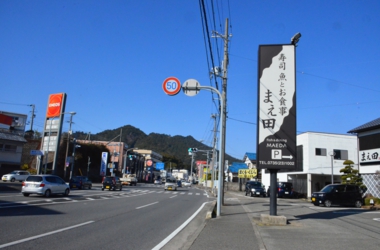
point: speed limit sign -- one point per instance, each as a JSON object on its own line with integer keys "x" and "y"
{"x": 171, "y": 86}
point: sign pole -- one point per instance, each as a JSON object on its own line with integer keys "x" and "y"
{"x": 273, "y": 192}
{"x": 191, "y": 88}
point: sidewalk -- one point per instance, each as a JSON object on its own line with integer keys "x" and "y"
{"x": 232, "y": 230}
{"x": 240, "y": 227}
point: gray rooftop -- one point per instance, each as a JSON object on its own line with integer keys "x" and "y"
{"x": 368, "y": 126}
{"x": 11, "y": 137}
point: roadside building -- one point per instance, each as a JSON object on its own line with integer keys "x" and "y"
{"x": 116, "y": 149}
{"x": 12, "y": 130}
{"x": 149, "y": 171}
{"x": 320, "y": 157}
{"x": 250, "y": 160}
{"x": 233, "y": 170}
{"x": 369, "y": 154}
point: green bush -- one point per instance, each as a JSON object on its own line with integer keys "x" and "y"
{"x": 375, "y": 200}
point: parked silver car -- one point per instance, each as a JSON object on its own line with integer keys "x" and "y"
{"x": 17, "y": 175}
{"x": 45, "y": 185}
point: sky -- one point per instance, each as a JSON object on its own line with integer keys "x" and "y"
{"x": 112, "y": 57}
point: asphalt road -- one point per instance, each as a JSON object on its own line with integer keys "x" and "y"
{"x": 138, "y": 217}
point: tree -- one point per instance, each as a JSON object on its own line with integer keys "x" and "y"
{"x": 351, "y": 175}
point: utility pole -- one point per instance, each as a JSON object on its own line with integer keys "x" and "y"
{"x": 88, "y": 164}
{"x": 213, "y": 154}
{"x": 68, "y": 141}
{"x": 72, "y": 165}
{"x": 224, "y": 95}
{"x": 192, "y": 163}
{"x": 31, "y": 121}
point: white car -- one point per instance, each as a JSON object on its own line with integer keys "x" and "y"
{"x": 186, "y": 184}
{"x": 158, "y": 182}
{"x": 171, "y": 184}
{"x": 45, "y": 185}
{"x": 17, "y": 175}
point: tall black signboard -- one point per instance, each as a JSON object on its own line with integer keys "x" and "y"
{"x": 276, "y": 125}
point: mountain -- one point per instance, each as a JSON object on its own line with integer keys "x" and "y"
{"x": 174, "y": 148}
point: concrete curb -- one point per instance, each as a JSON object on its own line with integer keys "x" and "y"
{"x": 211, "y": 210}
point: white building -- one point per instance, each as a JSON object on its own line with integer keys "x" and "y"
{"x": 369, "y": 154}
{"x": 319, "y": 157}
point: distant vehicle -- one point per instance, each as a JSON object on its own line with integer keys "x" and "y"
{"x": 17, "y": 175}
{"x": 338, "y": 194}
{"x": 284, "y": 190}
{"x": 180, "y": 173}
{"x": 158, "y": 182}
{"x": 255, "y": 188}
{"x": 111, "y": 183}
{"x": 46, "y": 185}
{"x": 186, "y": 184}
{"x": 129, "y": 179}
{"x": 80, "y": 182}
{"x": 171, "y": 184}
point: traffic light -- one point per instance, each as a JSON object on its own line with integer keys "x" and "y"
{"x": 194, "y": 149}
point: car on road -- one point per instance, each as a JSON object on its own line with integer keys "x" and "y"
{"x": 45, "y": 185}
{"x": 17, "y": 175}
{"x": 186, "y": 184}
{"x": 255, "y": 188}
{"x": 171, "y": 184}
{"x": 338, "y": 194}
{"x": 284, "y": 190}
{"x": 111, "y": 183}
{"x": 80, "y": 182}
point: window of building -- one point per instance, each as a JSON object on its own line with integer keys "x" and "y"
{"x": 369, "y": 141}
{"x": 10, "y": 148}
{"x": 340, "y": 154}
{"x": 320, "y": 151}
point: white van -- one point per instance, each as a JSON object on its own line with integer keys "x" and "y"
{"x": 171, "y": 184}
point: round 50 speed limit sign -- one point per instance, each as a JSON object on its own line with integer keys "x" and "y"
{"x": 171, "y": 86}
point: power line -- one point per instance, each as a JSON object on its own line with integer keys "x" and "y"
{"x": 330, "y": 79}
{"x": 229, "y": 118}
{"x": 16, "y": 104}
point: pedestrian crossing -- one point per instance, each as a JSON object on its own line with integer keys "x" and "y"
{"x": 81, "y": 196}
{"x": 144, "y": 191}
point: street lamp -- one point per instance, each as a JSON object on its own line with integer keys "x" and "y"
{"x": 68, "y": 140}
{"x": 190, "y": 89}
{"x": 72, "y": 165}
{"x": 125, "y": 158}
{"x": 332, "y": 154}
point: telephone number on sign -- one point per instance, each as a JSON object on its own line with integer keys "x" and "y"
{"x": 289, "y": 163}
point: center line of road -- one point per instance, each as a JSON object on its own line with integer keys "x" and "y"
{"x": 173, "y": 196}
{"x": 43, "y": 235}
{"x": 147, "y": 205}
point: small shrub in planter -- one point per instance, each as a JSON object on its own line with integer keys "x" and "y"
{"x": 375, "y": 200}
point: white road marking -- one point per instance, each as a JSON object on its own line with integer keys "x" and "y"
{"x": 172, "y": 235}
{"x": 173, "y": 196}
{"x": 147, "y": 205}
{"x": 43, "y": 235}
